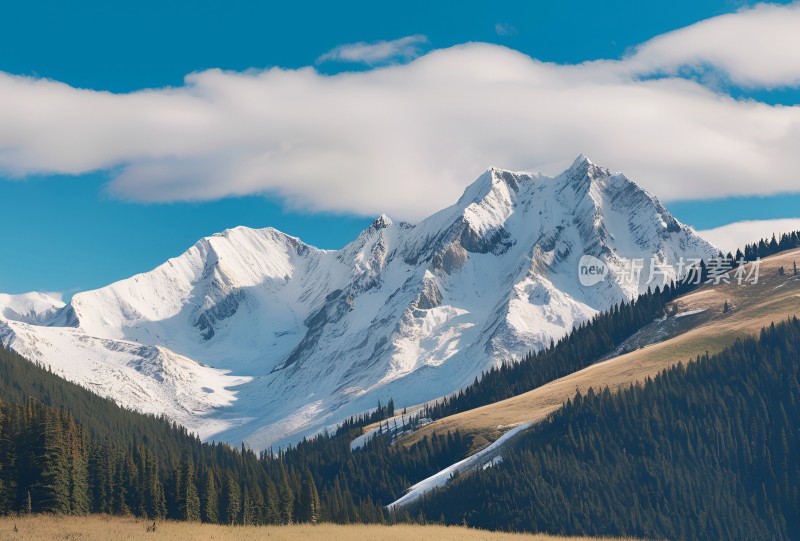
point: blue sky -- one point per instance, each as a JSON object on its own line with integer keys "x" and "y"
{"x": 65, "y": 230}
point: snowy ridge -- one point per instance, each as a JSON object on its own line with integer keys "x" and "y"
{"x": 484, "y": 458}
{"x": 287, "y": 339}
{"x": 34, "y": 308}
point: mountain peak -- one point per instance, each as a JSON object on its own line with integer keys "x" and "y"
{"x": 381, "y": 222}
{"x": 410, "y": 312}
{"x": 580, "y": 167}
{"x": 582, "y": 159}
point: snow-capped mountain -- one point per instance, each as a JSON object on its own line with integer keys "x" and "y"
{"x": 253, "y": 335}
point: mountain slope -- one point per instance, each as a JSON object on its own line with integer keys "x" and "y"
{"x": 700, "y": 325}
{"x": 706, "y": 450}
{"x": 253, "y": 335}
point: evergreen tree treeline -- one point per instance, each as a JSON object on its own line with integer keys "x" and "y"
{"x": 66, "y": 450}
{"x": 358, "y": 421}
{"x": 767, "y": 247}
{"x": 708, "y": 450}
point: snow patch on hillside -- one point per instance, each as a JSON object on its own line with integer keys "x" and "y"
{"x": 486, "y": 457}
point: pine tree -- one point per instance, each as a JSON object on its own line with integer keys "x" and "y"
{"x": 231, "y": 500}
{"x": 210, "y": 502}
{"x": 154, "y": 500}
{"x": 101, "y": 477}
{"x": 8, "y": 472}
{"x": 248, "y": 517}
{"x": 172, "y": 487}
{"x": 129, "y": 477}
{"x": 51, "y": 489}
{"x": 119, "y": 493}
{"x": 309, "y": 501}
{"x": 272, "y": 504}
{"x": 78, "y": 470}
{"x": 286, "y": 500}
{"x": 3, "y": 509}
{"x": 189, "y": 501}
{"x": 254, "y": 511}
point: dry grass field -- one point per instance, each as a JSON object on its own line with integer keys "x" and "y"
{"x": 105, "y": 528}
{"x": 773, "y": 299}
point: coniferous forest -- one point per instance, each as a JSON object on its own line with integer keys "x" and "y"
{"x": 707, "y": 450}
{"x": 768, "y": 247}
{"x": 64, "y": 449}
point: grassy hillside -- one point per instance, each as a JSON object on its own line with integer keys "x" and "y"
{"x": 102, "y": 527}
{"x": 752, "y": 307}
{"x": 705, "y": 450}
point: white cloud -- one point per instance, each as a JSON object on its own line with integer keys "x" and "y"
{"x": 732, "y": 236}
{"x": 504, "y": 29}
{"x": 758, "y": 47}
{"x": 406, "y": 139}
{"x": 381, "y": 52}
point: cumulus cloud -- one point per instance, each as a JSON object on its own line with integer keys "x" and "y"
{"x": 381, "y": 52}
{"x": 406, "y": 139}
{"x": 732, "y": 236}
{"x": 757, "y": 47}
